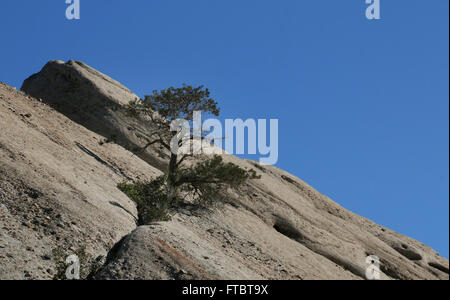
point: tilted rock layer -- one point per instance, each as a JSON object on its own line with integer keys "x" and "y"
{"x": 58, "y": 191}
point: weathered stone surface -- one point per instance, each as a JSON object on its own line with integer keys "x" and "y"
{"x": 278, "y": 227}
{"x": 57, "y": 188}
{"x": 93, "y": 100}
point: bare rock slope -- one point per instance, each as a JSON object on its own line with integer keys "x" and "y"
{"x": 93, "y": 100}
{"x": 58, "y": 190}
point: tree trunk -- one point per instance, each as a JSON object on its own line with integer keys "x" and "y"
{"x": 172, "y": 190}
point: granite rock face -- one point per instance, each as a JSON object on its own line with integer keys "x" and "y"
{"x": 58, "y": 190}
{"x": 281, "y": 228}
{"x": 94, "y": 101}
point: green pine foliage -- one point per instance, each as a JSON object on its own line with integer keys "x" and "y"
{"x": 202, "y": 184}
{"x": 207, "y": 181}
{"x": 150, "y": 199}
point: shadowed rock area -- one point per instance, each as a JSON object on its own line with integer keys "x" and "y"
{"x": 58, "y": 190}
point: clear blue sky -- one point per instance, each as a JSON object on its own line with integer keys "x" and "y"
{"x": 363, "y": 105}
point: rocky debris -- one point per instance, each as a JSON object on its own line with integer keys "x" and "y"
{"x": 278, "y": 227}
